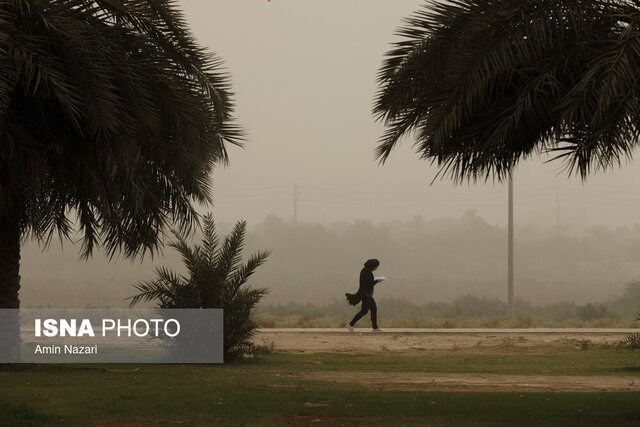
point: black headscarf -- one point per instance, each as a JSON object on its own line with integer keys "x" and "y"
{"x": 371, "y": 264}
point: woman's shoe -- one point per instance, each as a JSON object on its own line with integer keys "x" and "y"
{"x": 349, "y": 327}
{"x": 375, "y": 330}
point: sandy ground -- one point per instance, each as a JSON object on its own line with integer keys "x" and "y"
{"x": 318, "y": 341}
{"x": 474, "y": 341}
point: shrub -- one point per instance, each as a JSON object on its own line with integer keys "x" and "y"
{"x": 491, "y": 323}
{"x": 585, "y": 345}
{"x": 558, "y": 311}
{"x": 216, "y": 279}
{"x": 592, "y": 311}
{"x": 262, "y": 349}
{"x": 524, "y": 321}
{"x": 632, "y": 341}
{"x": 473, "y": 306}
{"x": 465, "y": 311}
{"x": 627, "y": 304}
{"x": 604, "y": 322}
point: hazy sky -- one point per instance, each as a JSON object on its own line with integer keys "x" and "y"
{"x": 304, "y": 76}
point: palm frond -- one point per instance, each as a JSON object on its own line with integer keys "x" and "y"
{"x": 210, "y": 241}
{"x": 191, "y": 255}
{"x": 215, "y": 279}
{"x": 242, "y": 274}
{"x": 483, "y": 84}
{"x": 164, "y": 289}
{"x": 112, "y": 111}
{"x": 631, "y": 341}
{"x": 230, "y": 253}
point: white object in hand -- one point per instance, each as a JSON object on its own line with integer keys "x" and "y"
{"x": 380, "y": 278}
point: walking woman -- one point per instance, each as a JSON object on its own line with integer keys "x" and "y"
{"x": 365, "y": 294}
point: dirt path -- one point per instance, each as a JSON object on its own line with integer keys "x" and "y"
{"x": 318, "y": 341}
{"x": 419, "y": 381}
{"x": 475, "y": 341}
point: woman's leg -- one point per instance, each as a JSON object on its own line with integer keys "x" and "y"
{"x": 363, "y": 310}
{"x": 374, "y": 314}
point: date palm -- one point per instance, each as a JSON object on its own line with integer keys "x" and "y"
{"x": 215, "y": 278}
{"x": 111, "y": 119}
{"x": 483, "y": 84}
{"x": 632, "y": 341}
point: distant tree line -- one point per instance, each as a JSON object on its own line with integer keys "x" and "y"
{"x": 425, "y": 260}
{"x": 438, "y": 260}
{"x": 472, "y": 306}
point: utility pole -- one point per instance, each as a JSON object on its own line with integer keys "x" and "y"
{"x": 510, "y": 249}
{"x": 557, "y": 212}
{"x": 295, "y": 204}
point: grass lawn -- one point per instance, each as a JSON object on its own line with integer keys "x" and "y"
{"x": 265, "y": 390}
{"x": 557, "y": 361}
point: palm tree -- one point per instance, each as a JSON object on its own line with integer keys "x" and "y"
{"x": 216, "y": 279}
{"x": 632, "y": 341}
{"x": 111, "y": 119}
{"x": 483, "y": 84}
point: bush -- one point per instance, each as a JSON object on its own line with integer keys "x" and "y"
{"x": 627, "y": 304}
{"x": 467, "y": 311}
{"x": 216, "y": 279}
{"x": 558, "y": 311}
{"x": 262, "y": 349}
{"x": 632, "y": 341}
{"x": 592, "y": 311}
{"x": 473, "y": 306}
{"x": 524, "y": 321}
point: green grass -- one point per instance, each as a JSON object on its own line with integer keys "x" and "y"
{"x": 558, "y": 361}
{"x": 263, "y": 391}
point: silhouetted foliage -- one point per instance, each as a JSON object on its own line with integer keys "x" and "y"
{"x": 632, "y": 341}
{"x": 462, "y": 307}
{"x": 425, "y": 260}
{"x": 485, "y": 84}
{"x": 111, "y": 120}
{"x": 215, "y": 278}
{"x": 109, "y": 109}
{"x": 627, "y": 304}
{"x": 592, "y": 311}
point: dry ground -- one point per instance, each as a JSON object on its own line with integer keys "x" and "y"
{"x": 365, "y": 342}
{"x": 317, "y": 341}
{"x": 418, "y": 381}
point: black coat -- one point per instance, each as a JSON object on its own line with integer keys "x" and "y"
{"x": 367, "y": 282}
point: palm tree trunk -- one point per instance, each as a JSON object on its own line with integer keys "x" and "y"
{"x": 9, "y": 287}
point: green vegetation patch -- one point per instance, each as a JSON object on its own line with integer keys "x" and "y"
{"x": 266, "y": 389}
{"x": 525, "y": 362}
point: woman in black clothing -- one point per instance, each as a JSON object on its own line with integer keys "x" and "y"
{"x": 365, "y": 294}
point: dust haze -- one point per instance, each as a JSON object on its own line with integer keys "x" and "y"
{"x": 304, "y": 76}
